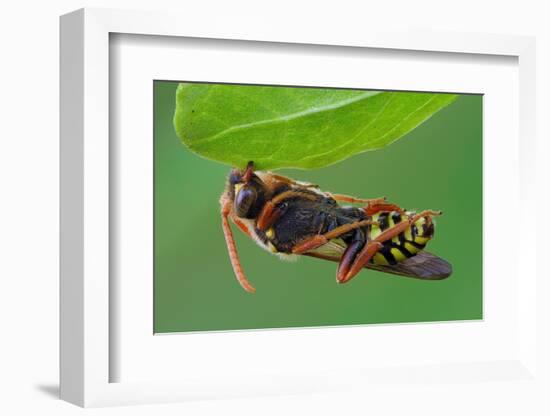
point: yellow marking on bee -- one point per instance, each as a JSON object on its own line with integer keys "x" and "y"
{"x": 408, "y": 234}
{"x": 398, "y": 255}
{"x": 375, "y": 229}
{"x": 375, "y": 232}
{"x": 380, "y": 260}
{"x": 272, "y": 247}
{"x": 238, "y": 187}
{"x": 270, "y": 233}
{"x": 412, "y": 249}
{"x": 421, "y": 240}
{"x": 419, "y": 227}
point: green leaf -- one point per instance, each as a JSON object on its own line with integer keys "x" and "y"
{"x": 286, "y": 127}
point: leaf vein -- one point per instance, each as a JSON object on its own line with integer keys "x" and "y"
{"x": 289, "y": 117}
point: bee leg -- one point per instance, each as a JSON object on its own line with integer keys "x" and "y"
{"x": 267, "y": 217}
{"x": 375, "y": 245}
{"x": 242, "y": 226}
{"x": 232, "y": 249}
{"x": 353, "y": 200}
{"x": 367, "y": 252}
{"x": 374, "y": 205}
{"x": 372, "y": 247}
{"x": 428, "y": 214}
{"x": 270, "y": 212}
{"x": 372, "y": 209}
{"x": 292, "y": 182}
{"x": 311, "y": 243}
{"x": 347, "y": 259}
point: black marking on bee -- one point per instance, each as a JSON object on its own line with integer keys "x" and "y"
{"x": 386, "y": 252}
{"x": 383, "y": 220}
{"x": 403, "y": 250}
{"x": 414, "y": 231}
{"x": 417, "y": 245}
{"x": 428, "y": 229}
{"x": 396, "y": 217}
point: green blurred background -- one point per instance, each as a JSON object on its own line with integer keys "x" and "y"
{"x": 437, "y": 166}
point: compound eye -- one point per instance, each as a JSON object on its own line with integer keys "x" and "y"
{"x": 246, "y": 196}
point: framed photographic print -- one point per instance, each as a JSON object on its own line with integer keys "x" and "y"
{"x": 289, "y": 218}
{"x": 311, "y": 215}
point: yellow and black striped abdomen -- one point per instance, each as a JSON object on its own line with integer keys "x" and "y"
{"x": 406, "y": 244}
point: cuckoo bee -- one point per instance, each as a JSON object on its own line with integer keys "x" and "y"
{"x": 288, "y": 218}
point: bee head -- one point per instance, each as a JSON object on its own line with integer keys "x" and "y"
{"x": 247, "y": 192}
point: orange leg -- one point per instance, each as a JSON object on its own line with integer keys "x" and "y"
{"x": 353, "y": 200}
{"x": 372, "y": 209}
{"x": 241, "y": 225}
{"x": 290, "y": 194}
{"x": 375, "y": 245}
{"x": 292, "y": 182}
{"x": 318, "y": 240}
{"x": 270, "y": 213}
{"x": 427, "y": 213}
{"x": 345, "y": 274}
{"x": 374, "y": 205}
{"x": 232, "y": 249}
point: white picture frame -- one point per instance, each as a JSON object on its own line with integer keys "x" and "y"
{"x": 87, "y": 166}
